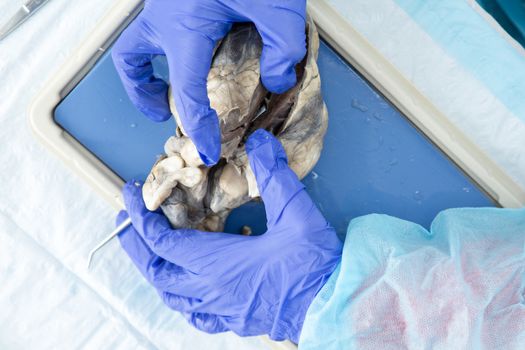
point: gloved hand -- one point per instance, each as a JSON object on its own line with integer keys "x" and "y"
{"x": 186, "y": 32}
{"x": 250, "y": 285}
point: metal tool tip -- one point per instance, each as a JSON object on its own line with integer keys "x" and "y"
{"x": 90, "y": 257}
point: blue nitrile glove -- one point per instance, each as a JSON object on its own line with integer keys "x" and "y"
{"x": 250, "y": 285}
{"x": 186, "y": 32}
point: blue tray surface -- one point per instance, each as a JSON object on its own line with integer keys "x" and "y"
{"x": 373, "y": 161}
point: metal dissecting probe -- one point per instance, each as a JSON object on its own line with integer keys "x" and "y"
{"x": 27, "y": 10}
{"x": 114, "y": 233}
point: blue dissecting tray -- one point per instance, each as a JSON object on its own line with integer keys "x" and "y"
{"x": 373, "y": 161}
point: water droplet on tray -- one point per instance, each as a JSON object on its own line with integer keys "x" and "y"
{"x": 418, "y": 195}
{"x": 315, "y": 175}
{"x": 466, "y": 189}
{"x": 378, "y": 116}
{"x": 133, "y": 125}
{"x": 357, "y": 105}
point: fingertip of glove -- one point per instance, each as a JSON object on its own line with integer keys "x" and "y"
{"x": 158, "y": 117}
{"x": 208, "y": 144}
{"x": 132, "y": 186}
{"x": 211, "y": 160}
{"x": 259, "y": 138}
{"x": 131, "y": 190}
{"x": 156, "y": 110}
{"x": 280, "y": 84}
{"x": 261, "y": 142}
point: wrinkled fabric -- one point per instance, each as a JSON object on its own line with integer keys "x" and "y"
{"x": 186, "y": 32}
{"x": 399, "y": 286}
{"x": 250, "y": 285}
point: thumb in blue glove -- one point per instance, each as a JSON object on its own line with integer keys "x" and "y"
{"x": 186, "y": 32}
{"x": 251, "y": 285}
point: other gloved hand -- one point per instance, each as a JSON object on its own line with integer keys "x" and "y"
{"x": 187, "y": 32}
{"x": 250, "y": 285}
